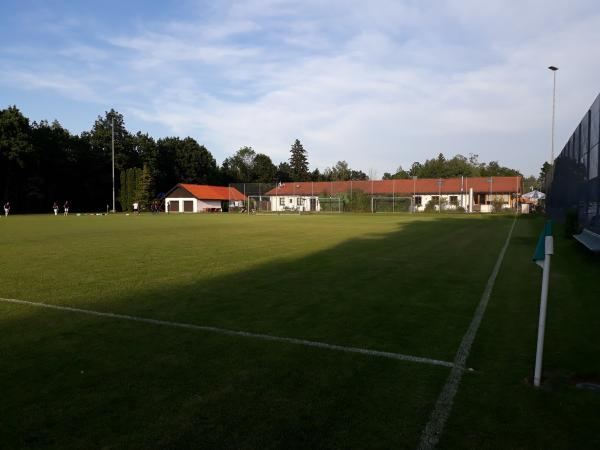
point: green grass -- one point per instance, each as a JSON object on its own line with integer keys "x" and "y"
{"x": 406, "y": 284}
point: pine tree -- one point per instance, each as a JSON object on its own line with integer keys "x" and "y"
{"x": 298, "y": 162}
{"x": 123, "y": 191}
{"x": 131, "y": 186}
{"x": 144, "y": 187}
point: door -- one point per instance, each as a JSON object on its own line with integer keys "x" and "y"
{"x": 313, "y": 204}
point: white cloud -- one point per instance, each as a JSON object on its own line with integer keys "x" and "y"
{"x": 378, "y": 84}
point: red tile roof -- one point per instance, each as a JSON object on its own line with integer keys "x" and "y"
{"x": 399, "y": 187}
{"x": 206, "y": 192}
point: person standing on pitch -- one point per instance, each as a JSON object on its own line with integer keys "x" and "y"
{"x": 66, "y": 207}
{"x": 55, "y": 208}
{"x": 6, "y": 209}
{"x": 135, "y": 208}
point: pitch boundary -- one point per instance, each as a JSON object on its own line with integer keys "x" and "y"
{"x": 224, "y": 331}
{"x": 435, "y": 426}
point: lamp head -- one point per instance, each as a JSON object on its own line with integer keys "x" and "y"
{"x": 553, "y": 69}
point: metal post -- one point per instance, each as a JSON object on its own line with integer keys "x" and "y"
{"x": 517, "y": 197}
{"x": 414, "y": 200}
{"x": 394, "y": 195}
{"x": 549, "y": 250}
{"x": 113, "y": 163}
{"x": 553, "y": 69}
{"x": 440, "y": 195}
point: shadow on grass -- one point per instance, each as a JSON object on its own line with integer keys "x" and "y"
{"x": 79, "y": 381}
{"x": 411, "y": 291}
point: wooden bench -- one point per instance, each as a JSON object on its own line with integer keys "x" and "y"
{"x": 590, "y": 239}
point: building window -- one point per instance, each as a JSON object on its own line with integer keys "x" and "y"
{"x": 418, "y": 200}
{"x": 454, "y": 199}
{"x": 281, "y": 201}
{"x": 291, "y": 201}
{"x": 299, "y": 201}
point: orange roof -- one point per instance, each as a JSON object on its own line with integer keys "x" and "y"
{"x": 206, "y": 192}
{"x": 420, "y": 186}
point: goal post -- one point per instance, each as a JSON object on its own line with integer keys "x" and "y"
{"x": 329, "y": 205}
{"x": 391, "y": 204}
{"x": 259, "y": 204}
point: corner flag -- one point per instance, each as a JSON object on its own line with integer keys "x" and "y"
{"x": 540, "y": 249}
{"x": 542, "y": 256}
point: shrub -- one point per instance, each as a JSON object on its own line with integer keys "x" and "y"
{"x": 497, "y": 205}
{"x": 432, "y": 204}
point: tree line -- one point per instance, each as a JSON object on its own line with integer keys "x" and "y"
{"x": 42, "y": 162}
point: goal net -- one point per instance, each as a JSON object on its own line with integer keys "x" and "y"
{"x": 259, "y": 204}
{"x": 329, "y": 205}
{"x": 391, "y": 204}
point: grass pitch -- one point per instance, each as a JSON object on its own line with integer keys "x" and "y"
{"x": 405, "y": 284}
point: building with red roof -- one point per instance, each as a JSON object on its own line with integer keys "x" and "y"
{"x": 472, "y": 194}
{"x": 193, "y": 198}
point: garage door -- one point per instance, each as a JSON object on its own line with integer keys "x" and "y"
{"x": 188, "y": 206}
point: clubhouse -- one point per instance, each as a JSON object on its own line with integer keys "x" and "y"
{"x": 471, "y": 194}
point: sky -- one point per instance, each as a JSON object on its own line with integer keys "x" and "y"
{"x": 377, "y": 83}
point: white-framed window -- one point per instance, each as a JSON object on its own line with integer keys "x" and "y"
{"x": 418, "y": 200}
{"x": 299, "y": 201}
{"x": 291, "y": 201}
{"x": 281, "y": 201}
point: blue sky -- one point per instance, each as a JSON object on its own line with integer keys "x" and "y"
{"x": 379, "y": 84}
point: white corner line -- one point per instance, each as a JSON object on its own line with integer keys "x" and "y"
{"x": 224, "y": 331}
{"x": 435, "y": 426}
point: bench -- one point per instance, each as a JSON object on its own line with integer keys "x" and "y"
{"x": 590, "y": 239}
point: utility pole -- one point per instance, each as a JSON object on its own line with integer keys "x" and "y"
{"x": 112, "y": 125}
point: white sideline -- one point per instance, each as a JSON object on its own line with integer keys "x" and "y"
{"x": 266, "y": 337}
{"x": 433, "y": 430}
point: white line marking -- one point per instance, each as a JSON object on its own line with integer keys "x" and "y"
{"x": 266, "y": 337}
{"x": 433, "y": 430}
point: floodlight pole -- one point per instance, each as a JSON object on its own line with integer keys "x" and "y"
{"x": 553, "y": 69}
{"x": 439, "y": 195}
{"x": 113, "y": 162}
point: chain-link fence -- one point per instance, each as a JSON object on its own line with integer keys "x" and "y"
{"x": 320, "y": 197}
{"x": 573, "y": 183}
{"x": 478, "y": 194}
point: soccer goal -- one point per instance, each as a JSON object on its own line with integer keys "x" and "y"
{"x": 329, "y": 205}
{"x": 259, "y": 204}
{"x": 391, "y": 204}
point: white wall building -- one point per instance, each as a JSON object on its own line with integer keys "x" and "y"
{"x": 195, "y": 198}
{"x": 471, "y": 194}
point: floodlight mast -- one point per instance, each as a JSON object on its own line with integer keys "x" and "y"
{"x": 553, "y": 69}
{"x": 112, "y": 125}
